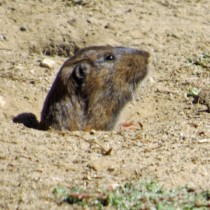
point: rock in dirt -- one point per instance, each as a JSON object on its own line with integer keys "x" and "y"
{"x": 82, "y": 2}
{"x": 23, "y": 28}
{"x": 48, "y": 63}
{"x": 2, "y": 102}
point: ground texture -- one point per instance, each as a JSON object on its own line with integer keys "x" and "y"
{"x": 170, "y": 137}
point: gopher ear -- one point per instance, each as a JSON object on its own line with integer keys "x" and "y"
{"x": 79, "y": 73}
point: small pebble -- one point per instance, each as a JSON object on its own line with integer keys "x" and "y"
{"x": 109, "y": 26}
{"x": 3, "y": 37}
{"x": 48, "y": 63}
{"x": 78, "y": 1}
{"x": 23, "y": 28}
{"x": 2, "y": 101}
{"x": 92, "y": 132}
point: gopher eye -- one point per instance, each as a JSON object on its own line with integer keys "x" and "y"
{"x": 109, "y": 57}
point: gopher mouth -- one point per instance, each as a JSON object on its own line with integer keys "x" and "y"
{"x": 137, "y": 78}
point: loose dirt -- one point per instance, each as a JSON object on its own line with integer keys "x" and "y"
{"x": 169, "y": 140}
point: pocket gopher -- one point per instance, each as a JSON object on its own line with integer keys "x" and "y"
{"x": 92, "y": 87}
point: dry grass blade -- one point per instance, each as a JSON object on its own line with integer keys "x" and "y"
{"x": 104, "y": 151}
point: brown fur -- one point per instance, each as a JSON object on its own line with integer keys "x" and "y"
{"x": 92, "y": 87}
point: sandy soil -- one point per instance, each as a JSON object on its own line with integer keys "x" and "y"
{"x": 172, "y": 145}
